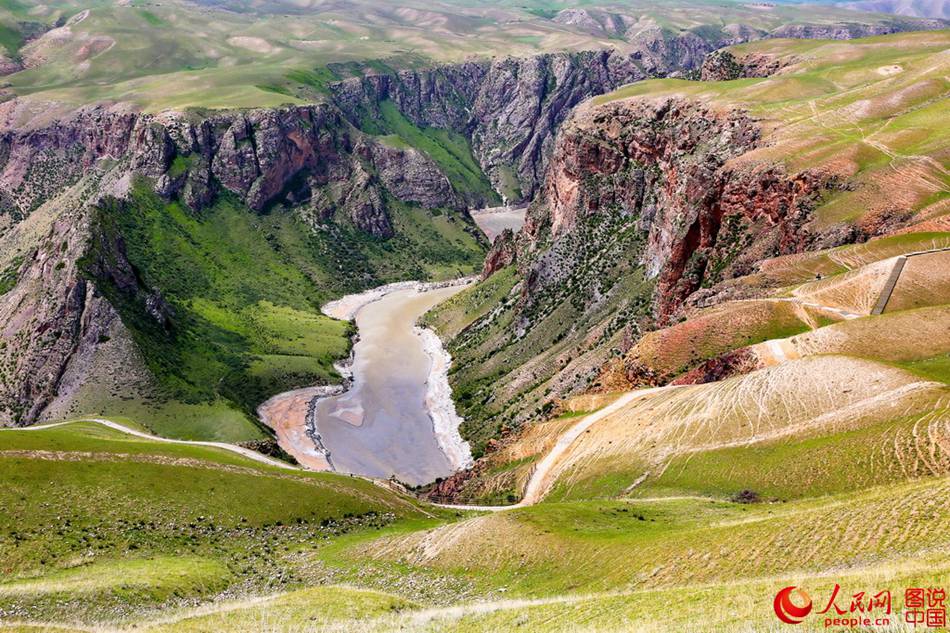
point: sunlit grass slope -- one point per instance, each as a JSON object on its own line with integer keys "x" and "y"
{"x": 94, "y": 520}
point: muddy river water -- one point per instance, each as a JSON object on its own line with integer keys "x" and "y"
{"x": 493, "y": 220}
{"x": 395, "y": 418}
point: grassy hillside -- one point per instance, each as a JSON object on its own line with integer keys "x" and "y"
{"x": 682, "y": 508}
{"x": 823, "y": 470}
{"x": 97, "y": 522}
{"x": 720, "y": 607}
{"x": 869, "y": 408}
{"x": 450, "y": 150}
{"x": 594, "y": 546}
{"x": 218, "y": 55}
{"x": 505, "y": 370}
{"x": 133, "y": 539}
{"x": 243, "y": 294}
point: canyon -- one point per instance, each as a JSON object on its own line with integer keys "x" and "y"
{"x": 483, "y": 317}
{"x": 317, "y": 160}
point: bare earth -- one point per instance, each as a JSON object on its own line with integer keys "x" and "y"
{"x": 284, "y": 413}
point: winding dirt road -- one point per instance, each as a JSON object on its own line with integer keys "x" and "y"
{"x": 240, "y": 450}
{"x": 538, "y": 483}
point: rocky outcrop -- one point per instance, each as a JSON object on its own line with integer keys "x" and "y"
{"x": 50, "y": 314}
{"x": 734, "y": 363}
{"x": 410, "y": 175}
{"x": 262, "y": 156}
{"x": 852, "y": 30}
{"x": 646, "y": 202}
{"x": 503, "y": 253}
{"x": 723, "y": 65}
{"x": 9, "y": 65}
{"x": 510, "y": 108}
{"x": 663, "y": 164}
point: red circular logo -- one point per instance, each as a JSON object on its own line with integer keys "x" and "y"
{"x": 789, "y": 612}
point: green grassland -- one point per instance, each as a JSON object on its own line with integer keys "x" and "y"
{"x": 100, "y": 528}
{"x": 501, "y": 374}
{"x": 207, "y": 54}
{"x": 450, "y": 150}
{"x": 800, "y": 467}
{"x": 725, "y": 607}
{"x": 244, "y": 292}
{"x": 452, "y": 316}
{"x": 795, "y": 270}
{"x": 94, "y": 520}
{"x": 933, "y": 368}
{"x": 591, "y": 562}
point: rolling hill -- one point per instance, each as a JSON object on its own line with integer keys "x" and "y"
{"x": 714, "y": 363}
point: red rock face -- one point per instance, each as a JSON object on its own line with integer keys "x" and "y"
{"x": 668, "y": 162}
{"x": 735, "y": 363}
{"x": 503, "y": 252}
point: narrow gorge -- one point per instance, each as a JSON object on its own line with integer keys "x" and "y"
{"x": 638, "y": 209}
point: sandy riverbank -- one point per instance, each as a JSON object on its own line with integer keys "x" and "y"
{"x": 345, "y": 308}
{"x": 445, "y": 421}
{"x": 287, "y": 414}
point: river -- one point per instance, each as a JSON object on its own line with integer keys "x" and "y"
{"x": 397, "y": 418}
{"x": 493, "y": 220}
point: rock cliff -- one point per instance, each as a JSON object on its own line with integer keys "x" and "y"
{"x": 510, "y": 109}
{"x": 723, "y": 65}
{"x": 262, "y": 156}
{"x": 53, "y": 311}
{"x": 664, "y": 165}
{"x": 648, "y": 185}
{"x": 643, "y": 205}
